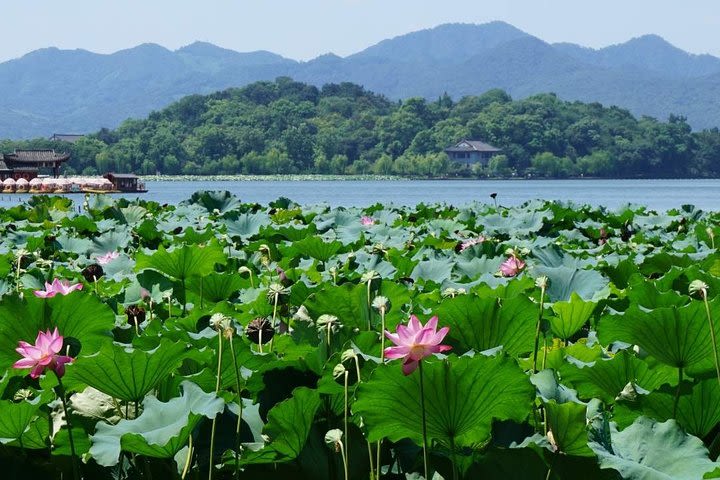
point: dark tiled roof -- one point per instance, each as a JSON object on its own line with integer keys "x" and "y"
{"x": 36, "y": 156}
{"x": 121, "y": 175}
{"x": 472, "y": 146}
{"x": 67, "y": 137}
{"x": 3, "y": 165}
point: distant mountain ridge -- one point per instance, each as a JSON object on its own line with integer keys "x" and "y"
{"x": 51, "y": 90}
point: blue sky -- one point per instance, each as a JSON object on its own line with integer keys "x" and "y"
{"x": 303, "y": 29}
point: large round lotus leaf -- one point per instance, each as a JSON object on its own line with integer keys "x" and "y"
{"x": 212, "y": 200}
{"x": 648, "y": 450}
{"x": 570, "y": 316}
{"x": 124, "y": 373}
{"x": 183, "y": 262}
{"x": 15, "y": 417}
{"x": 677, "y": 336}
{"x": 606, "y": 378}
{"x": 482, "y": 323}
{"x": 698, "y": 407}
{"x": 78, "y": 315}
{"x": 160, "y": 431}
{"x": 247, "y": 225}
{"x": 462, "y": 398}
{"x": 567, "y": 422}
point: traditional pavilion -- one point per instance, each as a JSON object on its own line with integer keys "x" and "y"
{"x": 27, "y": 163}
{"x": 472, "y": 151}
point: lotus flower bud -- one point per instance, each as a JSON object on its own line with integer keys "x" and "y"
{"x": 542, "y": 282}
{"x": 369, "y": 276}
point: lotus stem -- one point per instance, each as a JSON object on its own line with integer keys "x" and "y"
{"x": 712, "y": 334}
{"x": 214, "y": 422}
{"x": 61, "y": 388}
{"x": 369, "y": 306}
{"x": 239, "y": 422}
{"x": 537, "y": 328}
{"x": 188, "y": 458}
{"x": 345, "y": 418}
{"x": 424, "y": 422}
{"x": 677, "y": 392}
{"x": 359, "y": 379}
{"x": 272, "y": 322}
{"x": 382, "y": 360}
{"x": 343, "y": 454}
{"x": 382, "y": 335}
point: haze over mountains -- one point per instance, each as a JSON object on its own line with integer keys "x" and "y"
{"x": 77, "y": 91}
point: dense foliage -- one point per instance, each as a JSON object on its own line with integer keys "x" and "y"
{"x": 587, "y": 353}
{"x": 290, "y": 127}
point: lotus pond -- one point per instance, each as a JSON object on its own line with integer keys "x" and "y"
{"x": 220, "y": 339}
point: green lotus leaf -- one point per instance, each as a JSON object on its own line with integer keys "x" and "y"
{"x": 564, "y": 281}
{"x": 462, "y": 398}
{"x": 482, "y": 323}
{"x": 112, "y": 241}
{"x": 347, "y": 302}
{"x": 15, "y": 418}
{"x": 220, "y": 200}
{"x": 74, "y": 244}
{"x": 160, "y": 431}
{"x": 317, "y": 248}
{"x": 518, "y": 222}
{"x": 183, "y": 262}
{"x": 124, "y": 373}
{"x": 548, "y": 387}
{"x": 247, "y": 225}
{"x": 215, "y": 287}
{"x": 646, "y": 294}
{"x": 433, "y": 270}
{"x": 606, "y": 379}
{"x": 698, "y": 408}
{"x": 567, "y": 423}
{"x": 133, "y": 214}
{"x": 648, "y": 450}
{"x": 78, "y": 315}
{"x": 678, "y": 337}
{"x": 570, "y": 316}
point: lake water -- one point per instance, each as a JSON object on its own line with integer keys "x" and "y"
{"x": 656, "y": 194}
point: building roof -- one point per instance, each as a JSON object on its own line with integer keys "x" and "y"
{"x": 35, "y": 156}
{"x": 3, "y": 166}
{"x": 472, "y": 146}
{"x": 121, "y": 175}
{"x": 67, "y": 137}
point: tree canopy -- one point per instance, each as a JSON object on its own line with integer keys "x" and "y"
{"x": 291, "y": 127}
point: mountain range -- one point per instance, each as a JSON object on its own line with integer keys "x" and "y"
{"x": 76, "y": 91}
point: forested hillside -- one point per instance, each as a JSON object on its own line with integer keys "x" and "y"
{"x": 292, "y": 127}
{"x": 77, "y": 91}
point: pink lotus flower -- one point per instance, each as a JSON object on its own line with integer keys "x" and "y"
{"x": 42, "y": 355}
{"x": 512, "y": 266}
{"x": 366, "y": 221}
{"x": 107, "y": 258}
{"x": 415, "y": 342}
{"x": 471, "y": 242}
{"x": 57, "y": 286}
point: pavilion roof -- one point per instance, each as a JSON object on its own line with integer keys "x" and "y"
{"x": 35, "y": 156}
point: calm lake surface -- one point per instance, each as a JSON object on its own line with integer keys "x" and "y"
{"x": 656, "y": 194}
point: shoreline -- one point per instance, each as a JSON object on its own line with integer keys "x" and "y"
{"x": 350, "y": 178}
